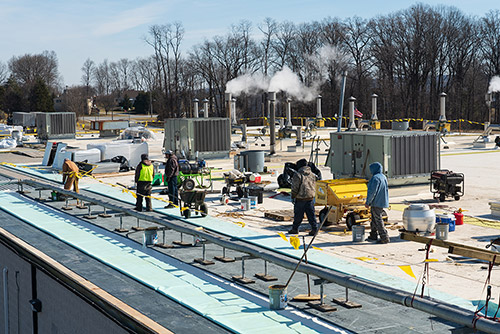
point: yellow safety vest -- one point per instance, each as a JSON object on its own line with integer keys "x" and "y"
{"x": 146, "y": 173}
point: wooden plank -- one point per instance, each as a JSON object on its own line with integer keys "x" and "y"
{"x": 477, "y": 254}
{"x": 277, "y": 216}
{"x": 454, "y": 248}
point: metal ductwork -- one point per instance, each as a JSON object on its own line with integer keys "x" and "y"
{"x": 442, "y": 107}
{"x": 205, "y": 108}
{"x": 374, "y": 107}
{"x": 271, "y": 97}
{"x": 233, "y": 111}
{"x": 352, "y": 123}
{"x": 195, "y": 108}
{"x": 288, "y": 113}
{"x": 227, "y": 99}
{"x": 318, "y": 107}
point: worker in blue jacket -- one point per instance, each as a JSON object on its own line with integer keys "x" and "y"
{"x": 377, "y": 198}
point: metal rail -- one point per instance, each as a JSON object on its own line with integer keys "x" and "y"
{"x": 429, "y": 305}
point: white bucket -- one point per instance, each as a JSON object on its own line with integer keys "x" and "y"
{"x": 358, "y": 233}
{"x": 253, "y": 201}
{"x": 150, "y": 237}
{"x": 245, "y": 204}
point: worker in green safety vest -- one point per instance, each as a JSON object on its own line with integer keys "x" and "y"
{"x": 143, "y": 177}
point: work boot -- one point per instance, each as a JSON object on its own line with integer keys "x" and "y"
{"x": 293, "y": 231}
{"x": 138, "y": 209}
{"x": 372, "y": 238}
{"x": 313, "y": 232}
{"x": 170, "y": 206}
{"x": 384, "y": 241}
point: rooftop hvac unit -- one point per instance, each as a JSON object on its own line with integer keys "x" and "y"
{"x": 56, "y": 125}
{"x": 25, "y": 119}
{"x": 209, "y": 137}
{"x": 407, "y": 157}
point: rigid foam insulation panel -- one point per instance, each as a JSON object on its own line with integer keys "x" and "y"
{"x": 207, "y": 137}
{"x": 127, "y": 148}
{"x": 407, "y": 157}
{"x": 92, "y": 156}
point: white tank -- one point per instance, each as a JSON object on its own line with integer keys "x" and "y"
{"x": 419, "y": 218}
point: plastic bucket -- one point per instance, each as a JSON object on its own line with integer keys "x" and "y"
{"x": 358, "y": 233}
{"x": 150, "y": 237}
{"x": 278, "y": 298}
{"x": 459, "y": 217}
{"x": 442, "y": 231}
{"x": 253, "y": 202}
{"x": 245, "y": 204}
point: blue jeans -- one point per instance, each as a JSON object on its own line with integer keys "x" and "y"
{"x": 173, "y": 192}
{"x": 298, "y": 214}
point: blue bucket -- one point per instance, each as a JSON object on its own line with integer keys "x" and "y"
{"x": 446, "y": 219}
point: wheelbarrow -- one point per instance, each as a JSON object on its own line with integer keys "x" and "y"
{"x": 193, "y": 201}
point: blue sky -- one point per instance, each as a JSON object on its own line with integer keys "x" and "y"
{"x": 114, "y": 29}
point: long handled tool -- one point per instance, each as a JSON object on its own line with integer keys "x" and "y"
{"x": 308, "y": 246}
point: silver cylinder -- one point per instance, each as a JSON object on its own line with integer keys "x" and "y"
{"x": 233, "y": 111}
{"x": 195, "y": 108}
{"x": 318, "y": 107}
{"x": 298, "y": 141}
{"x": 288, "y": 112}
{"x": 271, "y": 96}
{"x": 228, "y": 97}
{"x": 352, "y": 124}
{"x": 205, "y": 108}
{"x": 374, "y": 107}
{"x": 442, "y": 107}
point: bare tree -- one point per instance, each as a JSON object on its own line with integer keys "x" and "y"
{"x": 88, "y": 69}
{"x": 4, "y": 73}
{"x": 28, "y": 68}
{"x": 75, "y": 100}
{"x": 268, "y": 28}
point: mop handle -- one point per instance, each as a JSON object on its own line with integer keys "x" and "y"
{"x": 309, "y": 245}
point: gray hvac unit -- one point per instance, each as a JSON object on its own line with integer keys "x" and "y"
{"x": 207, "y": 137}
{"x": 24, "y": 119}
{"x": 407, "y": 157}
{"x": 56, "y": 125}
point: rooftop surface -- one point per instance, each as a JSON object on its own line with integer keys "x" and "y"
{"x": 452, "y": 278}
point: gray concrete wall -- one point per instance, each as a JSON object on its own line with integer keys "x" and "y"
{"x": 62, "y": 310}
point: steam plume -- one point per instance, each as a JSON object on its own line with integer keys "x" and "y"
{"x": 494, "y": 85}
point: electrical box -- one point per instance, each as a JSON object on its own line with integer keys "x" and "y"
{"x": 407, "y": 157}
{"x": 202, "y": 137}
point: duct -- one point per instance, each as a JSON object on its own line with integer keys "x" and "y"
{"x": 352, "y": 123}
{"x": 297, "y": 132}
{"x": 228, "y": 98}
{"x": 374, "y": 107}
{"x": 233, "y": 111}
{"x": 442, "y": 107}
{"x": 205, "y": 108}
{"x": 441, "y": 309}
{"x": 318, "y": 107}
{"x": 341, "y": 104}
{"x": 272, "y": 122}
{"x": 195, "y": 108}
{"x": 6, "y": 298}
{"x": 288, "y": 112}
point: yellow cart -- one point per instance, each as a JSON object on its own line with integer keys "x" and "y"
{"x": 346, "y": 197}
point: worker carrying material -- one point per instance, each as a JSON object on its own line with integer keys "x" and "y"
{"x": 143, "y": 178}
{"x": 70, "y": 175}
{"x": 303, "y": 192}
{"x": 377, "y": 198}
{"x": 171, "y": 172}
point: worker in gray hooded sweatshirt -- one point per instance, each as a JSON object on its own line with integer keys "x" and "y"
{"x": 377, "y": 198}
{"x": 303, "y": 192}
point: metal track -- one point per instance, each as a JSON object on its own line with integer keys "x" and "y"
{"x": 429, "y": 305}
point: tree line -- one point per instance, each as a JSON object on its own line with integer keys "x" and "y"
{"x": 407, "y": 58}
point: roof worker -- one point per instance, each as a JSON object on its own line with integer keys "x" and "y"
{"x": 71, "y": 175}
{"x": 143, "y": 177}
{"x": 303, "y": 192}
{"x": 377, "y": 198}
{"x": 171, "y": 172}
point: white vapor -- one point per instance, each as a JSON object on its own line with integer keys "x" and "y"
{"x": 494, "y": 85}
{"x": 287, "y": 81}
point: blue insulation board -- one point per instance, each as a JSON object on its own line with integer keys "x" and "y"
{"x": 223, "y": 302}
{"x": 273, "y": 242}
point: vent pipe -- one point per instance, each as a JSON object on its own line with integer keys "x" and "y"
{"x": 341, "y": 105}
{"x": 318, "y": 107}
{"x": 195, "y": 108}
{"x": 205, "y": 108}
{"x": 228, "y": 98}
{"x": 233, "y": 111}
{"x": 442, "y": 107}
{"x": 352, "y": 124}
{"x": 288, "y": 112}
{"x": 271, "y": 96}
{"x": 374, "y": 107}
